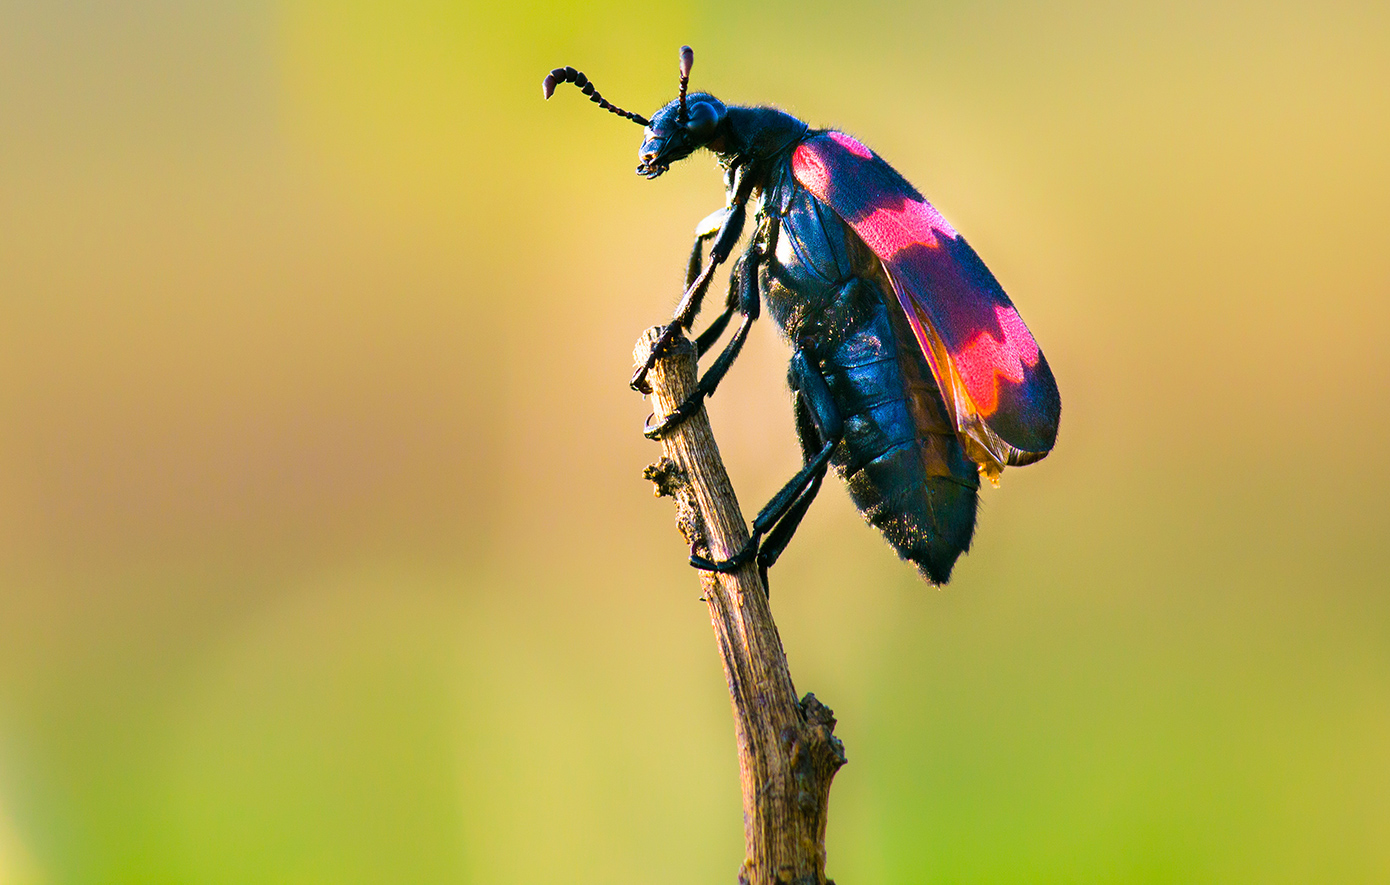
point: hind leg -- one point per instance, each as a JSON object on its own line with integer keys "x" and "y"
{"x": 780, "y": 517}
{"x": 730, "y": 229}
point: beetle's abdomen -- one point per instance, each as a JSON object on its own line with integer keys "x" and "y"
{"x": 900, "y": 457}
{"x": 901, "y": 460}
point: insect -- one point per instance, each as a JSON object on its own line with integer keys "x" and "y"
{"x": 911, "y": 373}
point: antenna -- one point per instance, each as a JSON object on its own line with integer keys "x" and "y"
{"x": 687, "y": 61}
{"x": 568, "y": 74}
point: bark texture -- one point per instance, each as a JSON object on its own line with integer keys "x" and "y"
{"x": 787, "y": 749}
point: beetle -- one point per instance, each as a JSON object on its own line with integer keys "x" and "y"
{"x": 911, "y": 370}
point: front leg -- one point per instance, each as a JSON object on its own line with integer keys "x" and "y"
{"x": 768, "y": 234}
{"x": 747, "y": 278}
{"x": 730, "y": 229}
{"x": 749, "y": 304}
{"x": 708, "y": 227}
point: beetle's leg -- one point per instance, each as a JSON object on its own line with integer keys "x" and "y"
{"x": 706, "y": 339}
{"x": 745, "y": 282}
{"x": 749, "y": 305}
{"x": 730, "y": 229}
{"x": 708, "y": 227}
{"x": 779, "y": 519}
{"x": 703, "y": 231}
{"x": 818, "y": 413}
{"x": 697, "y": 259}
{"x": 690, "y": 302}
{"x": 731, "y": 303}
{"x": 812, "y": 443}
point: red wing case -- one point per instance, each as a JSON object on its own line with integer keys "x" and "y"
{"x": 995, "y": 381}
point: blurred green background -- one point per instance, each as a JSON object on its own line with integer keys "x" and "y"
{"x": 324, "y": 551}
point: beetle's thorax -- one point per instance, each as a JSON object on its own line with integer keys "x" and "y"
{"x": 736, "y": 135}
{"x": 760, "y": 133}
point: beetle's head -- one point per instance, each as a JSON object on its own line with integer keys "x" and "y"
{"x": 676, "y": 131}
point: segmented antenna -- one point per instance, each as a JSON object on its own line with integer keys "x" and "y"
{"x": 687, "y": 61}
{"x": 568, "y": 74}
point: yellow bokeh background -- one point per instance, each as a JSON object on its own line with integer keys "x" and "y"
{"x": 325, "y": 555}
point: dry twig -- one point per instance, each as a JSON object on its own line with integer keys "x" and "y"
{"x": 787, "y": 750}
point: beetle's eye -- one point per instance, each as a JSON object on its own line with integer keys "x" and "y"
{"x": 704, "y": 117}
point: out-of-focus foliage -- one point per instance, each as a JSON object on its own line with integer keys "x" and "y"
{"x": 324, "y": 551}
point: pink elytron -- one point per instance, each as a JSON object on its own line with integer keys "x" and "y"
{"x": 983, "y": 361}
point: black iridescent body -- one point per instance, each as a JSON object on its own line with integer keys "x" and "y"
{"x": 899, "y": 456}
{"x": 866, "y": 397}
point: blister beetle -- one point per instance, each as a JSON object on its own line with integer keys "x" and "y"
{"x": 912, "y": 372}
